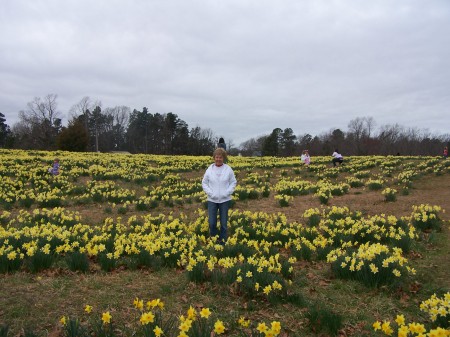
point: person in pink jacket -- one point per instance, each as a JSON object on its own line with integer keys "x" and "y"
{"x": 219, "y": 183}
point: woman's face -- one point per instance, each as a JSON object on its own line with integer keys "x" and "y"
{"x": 218, "y": 159}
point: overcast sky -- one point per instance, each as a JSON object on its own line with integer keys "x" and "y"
{"x": 238, "y": 67}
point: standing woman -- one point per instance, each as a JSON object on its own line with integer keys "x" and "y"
{"x": 219, "y": 183}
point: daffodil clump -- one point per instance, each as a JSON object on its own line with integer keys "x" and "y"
{"x": 339, "y": 189}
{"x": 252, "y": 276}
{"x": 312, "y": 216}
{"x": 324, "y": 194}
{"x": 93, "y": 324}
{"x": 372, "y": 264}
{"x": 107, "y": 190}
{"x": 406, "y": 177}
{"x": 355, "y": 182}
{"x": 362, "y": 174}
{"x": 250, "y": 192}
{"x": 336, "y": 213}
{"x": 151, "y": 322}
{"x": 401, "y": 328}
{"x": 426, "y": 217}
{"x": 283, "y": 199}
{"x": 354, "y": 229}
{"x": 374, "y": 184}
{"x": 438, "y": 309}
{"x": 249, "y": 328}
{"x": 390, "y": 194}
{"x": 294, "y": 187}
{"x": 173, "y": 190}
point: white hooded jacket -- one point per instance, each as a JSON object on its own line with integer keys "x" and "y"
{"x": 219, "y": 183}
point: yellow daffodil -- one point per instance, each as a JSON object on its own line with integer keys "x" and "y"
{"x": 147, "y": 317}
{"x": 219, "y": 328}
{"x": 158, "y": 331}
{"x": 106, "y": 317}
{"x": 376, "y": 326}
{"x": 205, "y": 313}
{"x": 262, "y": 327}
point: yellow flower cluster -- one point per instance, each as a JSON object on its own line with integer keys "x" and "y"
{"x": 437, "y": 306}
{"x": 283, "y": 199}
{"x": 410, "y": 329}
{"x": 389, "y": 190}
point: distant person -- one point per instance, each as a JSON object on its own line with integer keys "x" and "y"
{"x": 55, "y": 167}
{"x": 337, "y": 157}
{"x": 445, "y": 152}
{"x": 305, "y": 158}
{"x": 219, "y": 183}
{"x": 222, "y": 144}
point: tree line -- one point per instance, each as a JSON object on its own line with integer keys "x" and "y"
{"x": 361, "y": 139}
{"x": 92, "y": 128}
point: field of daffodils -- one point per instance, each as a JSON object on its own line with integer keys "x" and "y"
{"x": 291, "y": 270}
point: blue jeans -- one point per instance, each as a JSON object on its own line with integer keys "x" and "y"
{"x": 222, "y": 208}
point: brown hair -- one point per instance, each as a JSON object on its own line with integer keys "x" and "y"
{"x": 220, "y": 152}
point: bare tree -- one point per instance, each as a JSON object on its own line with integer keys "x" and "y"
{"x": 42, "y": 109}
{"x": 84, "y": 108}
{"x": 23, "y": 136}
{"x": 253, "y": 146}
{"x": 389, "y": 137}
{"x": 231, "y": 147}
{"x": 43, "y": 119}
{"x": 80, "y": 108}
{"x": 359, "y": 134}
{"x": 370, "y": 125}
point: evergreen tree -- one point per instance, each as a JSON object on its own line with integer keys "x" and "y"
{"x": 271, "y": 146}
{"x": 74, "y": 137}
{"x": 5, "y": 131}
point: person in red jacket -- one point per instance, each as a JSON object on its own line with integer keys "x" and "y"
{"x": 445, "y": 152}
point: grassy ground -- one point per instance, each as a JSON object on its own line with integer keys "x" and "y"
{"x": 37, "y": 301}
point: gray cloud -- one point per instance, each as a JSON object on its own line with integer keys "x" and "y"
{"x": 240, "y": 68}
